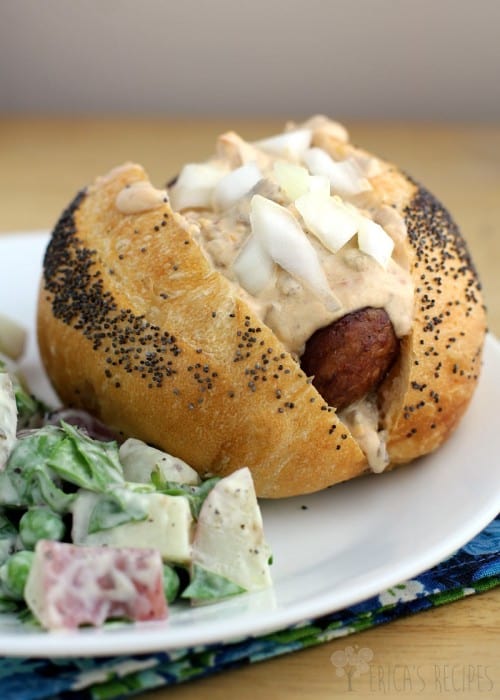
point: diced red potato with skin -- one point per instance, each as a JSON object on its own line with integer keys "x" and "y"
{"x": 69, "y": 585}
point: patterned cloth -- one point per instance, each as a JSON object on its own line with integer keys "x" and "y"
{"x": 472, "y": 569}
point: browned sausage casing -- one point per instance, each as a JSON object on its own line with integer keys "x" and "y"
{"x": 351, "y": 356}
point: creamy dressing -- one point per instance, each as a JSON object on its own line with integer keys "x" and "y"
{"x": 362, "y": 419}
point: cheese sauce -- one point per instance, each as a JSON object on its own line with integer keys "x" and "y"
{"x": 289, "y": 308}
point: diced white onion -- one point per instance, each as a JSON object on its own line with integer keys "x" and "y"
{"x": 195, "y": 186}
{"x": 284, "y": 240}
{"x": 345, "y": 176}
{"x": 235, "y": 185}
{"x": 320, "y": 184}
{"x": 253, "y": 267}
{"x": 374, "y": 241}
{"x": 291, "y": 144}
{"x": 328, "y": 219}
{"x": 293, "y": 179}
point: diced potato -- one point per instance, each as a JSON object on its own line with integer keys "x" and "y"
{"x": 139, "y": 460}
{"x": 229, "y": 538}
{"x": 69, "y": 586}
{"x": 167, "y": 527}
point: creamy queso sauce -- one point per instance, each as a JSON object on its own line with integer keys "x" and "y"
{"x": 291, "y": 310}
{"x": 286, "y": 305}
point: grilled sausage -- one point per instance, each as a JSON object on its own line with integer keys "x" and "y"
{"x": 351, "y": 356}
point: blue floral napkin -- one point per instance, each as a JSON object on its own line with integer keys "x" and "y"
{"x": 472, "y": 569}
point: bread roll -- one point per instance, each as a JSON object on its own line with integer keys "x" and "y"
{"x": 138, "y": 325}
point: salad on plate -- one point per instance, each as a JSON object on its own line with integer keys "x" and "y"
{"x": 94, "y": 528}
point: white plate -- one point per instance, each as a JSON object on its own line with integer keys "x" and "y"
{"x": 349, "y": 543}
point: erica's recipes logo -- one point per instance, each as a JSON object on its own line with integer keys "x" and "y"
{"x": 351, "y": 662}
{"x": 448, "y": 679}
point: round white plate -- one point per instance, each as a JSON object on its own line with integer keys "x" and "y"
{"x": 331, "y": 549}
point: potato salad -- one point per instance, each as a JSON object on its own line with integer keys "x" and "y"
{"x": 93, "y": 529}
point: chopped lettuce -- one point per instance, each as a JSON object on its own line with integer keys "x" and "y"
{"x": 28, "y": 479}
{"x": 171, "y": 583}
{"x": 42, "y": 461}
{"x": 206, "y": 586}
{"x": 116, "y": 508}
{"x": 30, "y": 411}
{"x": 195, "y": 494}
{"x": 85, "y": 462}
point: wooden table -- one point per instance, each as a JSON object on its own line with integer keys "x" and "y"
{"x": 453, "y": 651}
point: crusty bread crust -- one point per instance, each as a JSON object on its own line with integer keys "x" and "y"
{"x": 429, "y": 390}
{"x": 135, "y": 326}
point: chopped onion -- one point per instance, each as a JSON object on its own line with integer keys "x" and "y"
{"x": 328, "y": 219}
{"x": 374, "y": 241}
{"x": 282, "y": 237}
{"x": 291, "y": 144}
{"x": 320, "y": 184}
{"x": 253, "y": 267}
{"x": 293, "y": 179}
{"x": 195, "y": 186}
{"x": 235, "y": 185}
{"x": 345, "y": 176}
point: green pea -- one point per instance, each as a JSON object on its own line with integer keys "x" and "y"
{"x": 14, "y": 574}
{"x": 40, "y": 524}
{"x": 171, "y": 583}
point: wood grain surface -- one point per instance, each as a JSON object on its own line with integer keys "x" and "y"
{"x": 452, "y": 651}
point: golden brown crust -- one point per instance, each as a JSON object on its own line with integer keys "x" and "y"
{"x": 427, "y": 394}
{"x": 135, "y": 326}
{"x": 219, "y": 391}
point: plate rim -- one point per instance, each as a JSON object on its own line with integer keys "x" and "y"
{"x": 154, "y": 638}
